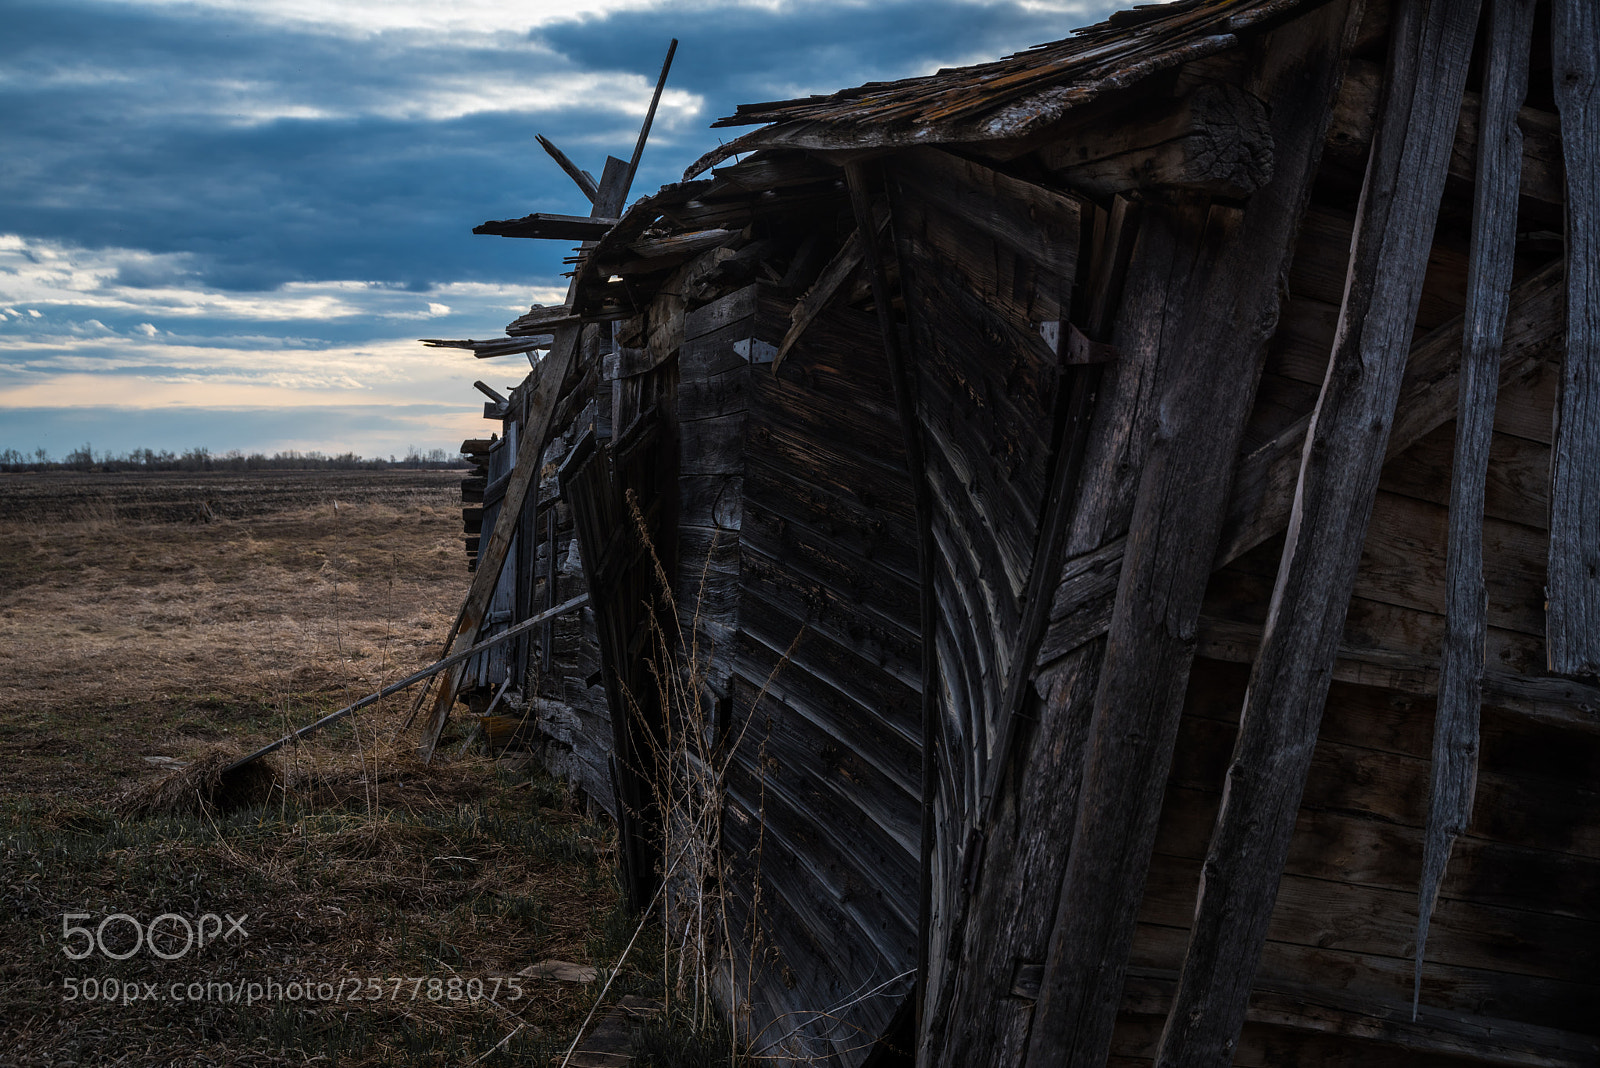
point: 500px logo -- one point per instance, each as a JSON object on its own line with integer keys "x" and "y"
{"x": 168, "y": 936}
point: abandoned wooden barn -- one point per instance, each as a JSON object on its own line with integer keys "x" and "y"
{"x": 1132, "y": 510}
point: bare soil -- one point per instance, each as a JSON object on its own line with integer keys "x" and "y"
{"x": 151, "y": 621}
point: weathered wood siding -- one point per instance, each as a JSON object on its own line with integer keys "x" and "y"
{"x": 987, "y": 265}
{"x": 797, "y": 578}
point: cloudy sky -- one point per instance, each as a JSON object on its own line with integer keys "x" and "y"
{"x": 225, "y": 223}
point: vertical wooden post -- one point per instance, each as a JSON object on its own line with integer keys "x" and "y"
{"x": 1429, "y": 54}
{"x": 1572, "y": 623}
{"x": 1228, "y": 314}
{"x": 1489, "y": 272}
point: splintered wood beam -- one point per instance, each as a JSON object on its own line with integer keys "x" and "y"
{"x": 583, "y": 178}
{"x": 500, "y": 346}
{"x": 839, "y": 270}
{"x": 1217, "y": 140}
{"x": 490, "y": 392}
{"x": 1489, "y": 271}
{"x": 1572, "y": 623}
{"x": 543, "y": 224}
{"x": 539, "y": 409}
{"x": 650, "y": 116}
{"x": 1230, "y": 312}
{"x": 1430, "y": 52}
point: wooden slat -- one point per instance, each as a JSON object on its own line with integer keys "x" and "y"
{"x": 1574, "y": 581}
{"x": 1339, "y": 473}
{"x": 1229, "y": 314}
{"x": 1494, "y": 239}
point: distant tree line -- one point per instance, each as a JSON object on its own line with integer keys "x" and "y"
{"x": 85, "y": 458}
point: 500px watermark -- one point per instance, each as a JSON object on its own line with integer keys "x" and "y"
{"x": 351, "y": 989}
{"x": 169, "y": 936}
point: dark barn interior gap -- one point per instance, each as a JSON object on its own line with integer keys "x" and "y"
{"x": 1129, "y": 514}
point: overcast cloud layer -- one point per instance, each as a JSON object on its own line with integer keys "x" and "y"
{"x": 225, "y": 223}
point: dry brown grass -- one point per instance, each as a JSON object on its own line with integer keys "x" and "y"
{"x": 123, "y": 638}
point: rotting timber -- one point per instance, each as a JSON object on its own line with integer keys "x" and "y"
{"x": 1075, "y": 475}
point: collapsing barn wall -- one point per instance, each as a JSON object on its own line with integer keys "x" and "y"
{"x": 998, "y": 471}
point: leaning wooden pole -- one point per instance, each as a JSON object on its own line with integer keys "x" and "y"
{"x": 415, "y": 677}
{"x": 1230, "y": 313}
{"x": 535, "y": 428}
{"x": 1489, "y": 272}
{"x": 1339, "y": 471}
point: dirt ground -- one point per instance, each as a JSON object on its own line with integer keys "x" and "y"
{"x": 148, "y": 621}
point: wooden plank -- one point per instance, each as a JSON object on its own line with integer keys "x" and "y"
{"x": 1338, "y": 478}
{"x": 1574, "y": 579}
{"x": 1529, "y": 1001}
{"x": 1517, "y": 486}
{"x": 1228, "y": 313}
{"x": 544, "y": 224}
{"x": 1494, "y": 240}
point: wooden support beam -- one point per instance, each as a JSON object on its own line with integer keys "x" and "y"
{"x": 538, "y": 412}
{"x": 1229, "y": 312}
{"x": 549, "y": 614}
{"x": 543, "y": 224}
{"x": 1489, "y": 271}
{"x": 1563, "y": 703}
{"x": 585, "y": 180}
{"x": 1428, "y": 60}
{"x": 1216, "y": 140}
{"x": 1572, "y": 626}
{"x": 839, "y": 270}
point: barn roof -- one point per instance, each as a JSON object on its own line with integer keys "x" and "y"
{"x": 1010, "y": 97}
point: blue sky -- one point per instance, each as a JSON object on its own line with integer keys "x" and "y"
{"x": 225, "y": 223}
